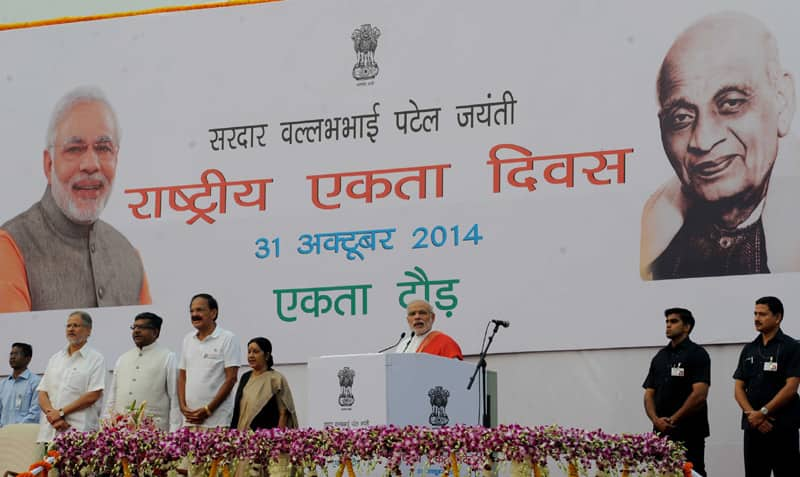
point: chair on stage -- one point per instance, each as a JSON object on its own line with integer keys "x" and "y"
{"x": 18, "y": 448}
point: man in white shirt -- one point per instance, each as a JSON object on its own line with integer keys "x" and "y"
{"x": 146, "y": 373}
{"x": 73, "y": 383}
{"x": 208, "y": 367}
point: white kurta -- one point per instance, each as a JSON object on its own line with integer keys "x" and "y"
{"x": 147, "y": 374}
{"x": 410, "y": 344}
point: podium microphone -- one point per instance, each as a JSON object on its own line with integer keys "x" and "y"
{"x": 402, "y": 335}
{"x": 503, "y": 323}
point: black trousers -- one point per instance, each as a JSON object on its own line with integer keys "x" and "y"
{"x": 777, "y": 451}
{"x": 696, "y": 454}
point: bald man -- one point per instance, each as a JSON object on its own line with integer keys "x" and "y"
{"x": 424, "y": 339}
{"x": 725, "y": 106}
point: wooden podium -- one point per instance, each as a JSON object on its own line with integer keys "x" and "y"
{"x": 400, "y": 389}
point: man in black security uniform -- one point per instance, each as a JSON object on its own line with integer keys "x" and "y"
{"x": 765, "y": 387}
{"x": 676, "y": 388}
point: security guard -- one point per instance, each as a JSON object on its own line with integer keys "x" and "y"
{"x": 677, "y": 386}
{"x": 766, "y": 382}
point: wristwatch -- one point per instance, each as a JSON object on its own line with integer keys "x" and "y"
{"x": 61, "y": 412}
{"x": 764, "y": 410}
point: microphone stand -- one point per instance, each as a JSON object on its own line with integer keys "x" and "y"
{"x": 402, "y": 335}
{"x": 481, "y": 366}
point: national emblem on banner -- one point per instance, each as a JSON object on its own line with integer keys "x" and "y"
{"x": 365, "y": 41}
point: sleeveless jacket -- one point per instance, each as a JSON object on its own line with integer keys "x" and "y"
{"x": 71, "y": 265}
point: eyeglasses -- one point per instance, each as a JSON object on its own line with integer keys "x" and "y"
{"x": 75, "y": 148}
{"x": 142, "y": 327}
{"x": 72, "y": 326}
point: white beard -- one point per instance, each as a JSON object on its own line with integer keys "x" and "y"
{"x": 61, "y": 194}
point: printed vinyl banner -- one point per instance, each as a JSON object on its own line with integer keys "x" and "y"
{"x": 572, "y": 168}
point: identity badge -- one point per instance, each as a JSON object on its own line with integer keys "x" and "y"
{"x": 676, "y": 372}
{"x": 771, "y": 366}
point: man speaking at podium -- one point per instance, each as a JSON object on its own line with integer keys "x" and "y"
{"x": 423, "y": 339}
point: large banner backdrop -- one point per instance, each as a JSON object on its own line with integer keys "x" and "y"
{"x": 318, "y": 165}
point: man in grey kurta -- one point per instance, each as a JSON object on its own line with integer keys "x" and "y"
{"x": 58, "y": 254}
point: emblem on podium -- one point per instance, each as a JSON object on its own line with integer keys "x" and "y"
{"x": 346, "y": 376}
{"x": 365, "y": 42}
{"x": 438, "y": 397}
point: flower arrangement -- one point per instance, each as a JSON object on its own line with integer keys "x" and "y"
{"x": 219, "y": 449}
{"x": 127, "y": 444}
{"x": 152, "y": 452}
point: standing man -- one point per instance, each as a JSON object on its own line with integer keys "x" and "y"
{"x": 420, "y": 317}
{"x": 765, "y": 388}
{"x": 147, "y": 372}
{"x": 208, "y": 368}
{"x": 676, "y": 388}
{"x": 19, "y": 402}
{"x": 73, "y": 383}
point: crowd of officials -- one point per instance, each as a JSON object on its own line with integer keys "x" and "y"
{"x": 197, "y": 388}
{"x": 194, "y": 389}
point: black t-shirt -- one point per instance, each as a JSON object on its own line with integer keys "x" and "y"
{"x": 761, "y": 384}
{"x": 672, "y": 373}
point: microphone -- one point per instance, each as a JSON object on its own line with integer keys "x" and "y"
{"x": 402, "y": 335}
{"x": 503, "y": 323}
